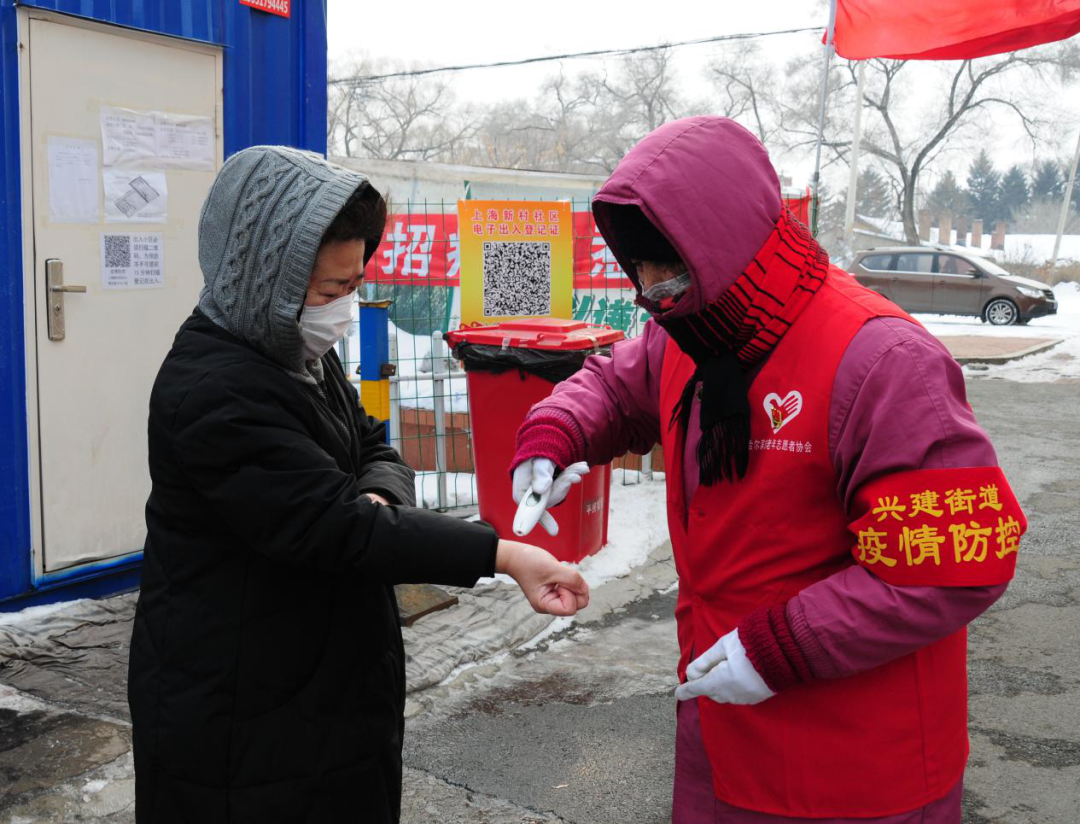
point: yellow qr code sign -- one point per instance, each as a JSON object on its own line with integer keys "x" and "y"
{"x": 517, "y": 259}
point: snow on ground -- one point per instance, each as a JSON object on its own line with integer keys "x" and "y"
{"x": 1065, "y": 323}
{"x": 32, "y": 614}
{"x": 460, "y": 489}
{"x": 416, "y": 388}
{"x": 421, "y": 393}
{"x": 554, "y": 628}
{"x": 93, "y": 788}
{"x": 14, "y": 700}
{"x": 1063, "y": 361}
{"x": 636, "y": 526}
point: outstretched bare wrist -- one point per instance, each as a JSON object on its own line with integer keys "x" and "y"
{"x": 504, "y": 555}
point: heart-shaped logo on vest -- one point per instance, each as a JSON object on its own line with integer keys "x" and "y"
{"x": 782, "y": 411}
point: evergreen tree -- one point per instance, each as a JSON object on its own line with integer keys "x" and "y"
{"x": 1014, "y": 192}
{"x": 984, "y": 188}
{"x": 948, "y": 197}
{"x": 1047, "y": 183}
{"x": 874, "y": 198}
{"x": 831, "y": 214}
{"x": 831, "y": 210}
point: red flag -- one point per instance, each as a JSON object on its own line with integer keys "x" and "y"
{"x": 949, "y": 29}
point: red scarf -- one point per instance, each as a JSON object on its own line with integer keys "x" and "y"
{"x": 735, "y": 332}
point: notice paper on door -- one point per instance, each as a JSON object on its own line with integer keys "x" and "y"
{"x": 161, "y": 140}
{"x": 127, "y": 136}
{"x": 73, "y": 176}
{"x": 132, "y": 261}
{"x": 184, "y": 141}
{"x": 132, "y": 196}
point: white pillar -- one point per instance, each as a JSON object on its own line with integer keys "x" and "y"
{"x": 1065, "y": 206}
{"x": 829, "y": 49}
{"x": 853, "y": 174}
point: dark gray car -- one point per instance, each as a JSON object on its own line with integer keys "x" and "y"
{"x": 919, "y": 279}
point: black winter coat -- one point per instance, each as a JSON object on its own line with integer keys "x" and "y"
{"x": 267, "y": 678}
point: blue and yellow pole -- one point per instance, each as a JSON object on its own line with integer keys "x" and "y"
{"x": 375, "y": 366}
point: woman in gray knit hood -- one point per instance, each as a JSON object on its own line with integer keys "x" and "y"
{"x": 267, "y": 677}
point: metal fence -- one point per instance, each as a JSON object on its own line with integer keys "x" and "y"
{"x": 416, "y": 267}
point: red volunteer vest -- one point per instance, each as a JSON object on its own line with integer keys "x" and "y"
{"x": 885, "y": 741}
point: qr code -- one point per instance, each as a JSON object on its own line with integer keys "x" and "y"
{"x": 517, "y": 278}
{"x": 117, "y": 251}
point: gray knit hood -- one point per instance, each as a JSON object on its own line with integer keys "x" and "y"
{"x": 259, "y": 231}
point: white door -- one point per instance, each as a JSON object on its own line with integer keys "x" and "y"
{"x": 91, "y": 389}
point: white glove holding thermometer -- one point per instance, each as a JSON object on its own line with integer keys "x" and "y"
{"x": 537, "y": 476}
{"x": 725, "y": 675}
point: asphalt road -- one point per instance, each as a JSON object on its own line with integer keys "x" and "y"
{"x": 583, "y": 731}
{"x": 580, "y": 729}
{"x": 1024, "y": 653}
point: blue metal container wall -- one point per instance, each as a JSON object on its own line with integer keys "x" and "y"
{"x": 275, "y": 68}
{"x": 14, "y": 468}
{"x": 199, "y": 20}
{"x": 275, "y": 78}
{"x": 274, "y": 92}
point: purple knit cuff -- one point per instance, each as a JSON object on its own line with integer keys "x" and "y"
{"x": 549, "y": 433}
{"x": 772, "y": 649}
{"x": 817, "y": 657}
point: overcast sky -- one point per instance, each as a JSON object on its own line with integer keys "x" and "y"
{"x": 453, "y": 32}
{"x": 450, "y": 33}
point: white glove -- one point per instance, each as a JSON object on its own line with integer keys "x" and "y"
{"x": 725, "y": 675}
{"x": 539, "y": 474}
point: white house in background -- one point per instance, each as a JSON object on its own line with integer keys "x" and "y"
{"x": 1033, "y": 249}
{"x": 1019, "y": 248}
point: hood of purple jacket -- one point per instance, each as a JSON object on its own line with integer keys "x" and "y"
{"x": 708, "y": 185}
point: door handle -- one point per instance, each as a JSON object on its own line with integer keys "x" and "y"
{"x": 54, "y": 284}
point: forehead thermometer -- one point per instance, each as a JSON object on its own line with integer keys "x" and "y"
{"x": 530, "y": 509}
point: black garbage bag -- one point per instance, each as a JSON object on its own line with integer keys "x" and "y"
{"x": 551, "y": 365}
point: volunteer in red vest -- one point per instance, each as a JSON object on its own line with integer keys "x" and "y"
{"x": 837, "y": 515}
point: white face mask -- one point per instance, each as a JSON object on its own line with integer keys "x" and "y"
{"x": 668, "y": 288}
{"x": 323, "y": 326}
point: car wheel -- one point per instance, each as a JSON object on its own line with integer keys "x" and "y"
{"x": 1001, "y": 312}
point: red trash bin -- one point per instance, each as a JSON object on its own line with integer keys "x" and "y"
{"x": 509, "y": 367}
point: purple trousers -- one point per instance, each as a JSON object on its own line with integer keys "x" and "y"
{"x": 693, "y": 801}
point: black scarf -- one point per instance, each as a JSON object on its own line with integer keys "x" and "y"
{"x": 730, "y": 336}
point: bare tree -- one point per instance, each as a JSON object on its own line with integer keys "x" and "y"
{"x": 584, "y": 123}
{"x": 394, "y": 118}
{"x": 568, "y": 110}
{"x": 974, "y": 89}
{"x": 556, "y": 132}
{"x": 913, "y": 124}
{"x": 645, "y": 90}
{"x": 508, "y": 135}
{"x": 748, "y": 88}
{"x": 642, "y": 96}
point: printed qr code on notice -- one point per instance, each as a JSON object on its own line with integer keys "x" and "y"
{"x": 117, "y": 251}
{"x": 517, "y": 278}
